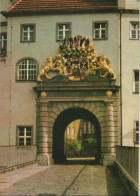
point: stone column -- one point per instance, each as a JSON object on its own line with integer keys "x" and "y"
{"x": 107, "y": 140}
{"x": 44, "y": 136}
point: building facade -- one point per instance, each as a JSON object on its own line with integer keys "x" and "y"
{"x": 30, "y": 32}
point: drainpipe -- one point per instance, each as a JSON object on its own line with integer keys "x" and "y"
{"x": 121, "y": 77}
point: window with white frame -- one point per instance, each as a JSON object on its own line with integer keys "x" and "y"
{"x": 3, "y": 43}
{"x": 73, "y": 131}
{"x": 28, "y": 33}
{"x": 24, "y": 135}
{"x": 100, "y": 30}
{"x": 136, "y": 132}
{"x": 134, "y": 30}
{"x": 27, "y": 70}
{"x": 136, "y": 82}
{"x": 63, "y": 31}
{"x": 68, "y": 130}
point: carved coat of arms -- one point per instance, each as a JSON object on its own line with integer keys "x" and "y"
{"x": 76, "y": 60}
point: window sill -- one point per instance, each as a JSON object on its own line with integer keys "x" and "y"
{"x": 59, "y": 40}
{"x": 29, "y": 146}
{"x": 134, "y": 39}
{"x": 26, "y": 81}
{"x": 22, "y": 42}
{"x": 136, "y": 93}
{"x": 100, "y": 39}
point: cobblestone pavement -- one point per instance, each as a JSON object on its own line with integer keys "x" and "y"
{"x": 81, "y": 180}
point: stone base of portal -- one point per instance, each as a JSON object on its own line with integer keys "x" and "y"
{"x": 107, "y": 159}
{"x": 45, "y": 159}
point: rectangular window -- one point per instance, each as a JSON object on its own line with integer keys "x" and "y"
{"x": 100, "y": 30}
{"x": 28, "y": 33}
{"x": 136, "y": 82}
{"x": 89, "y": 127}
{"x": 63, "y": 31}
{"x": 24, "y": 135}
{"x": 3, "y": 44}
{"x": 136, "y": 132}
{"x": 68, "y": 131}
{"x": 73, "y": 131}
{"x": 134, "y": 30}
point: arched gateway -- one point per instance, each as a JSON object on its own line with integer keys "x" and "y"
{"x": 62, "y": 121}
{"x": 77, "y": 85}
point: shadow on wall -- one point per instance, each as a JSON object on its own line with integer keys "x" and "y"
{"x": 114, "y": 185}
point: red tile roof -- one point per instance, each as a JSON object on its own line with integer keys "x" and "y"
{"x": 26, "y": 6}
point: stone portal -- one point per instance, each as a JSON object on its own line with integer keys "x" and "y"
{"x": 78, "y": 83}
{"x": 61, "y": 102}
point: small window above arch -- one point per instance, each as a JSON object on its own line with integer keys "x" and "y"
{"x": 27, "y": 70}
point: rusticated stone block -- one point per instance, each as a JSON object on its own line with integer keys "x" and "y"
{"x": 109, "y": 123}
{"x": 107, "y": 139}
{"x": 56, "y": 111}
{"x": 95, "y": 111}
{"x": 102, "y": 125}
{"x": 46, "y": 124}
{"x": 70, "y": 104}
{"x": 45, "y": 145}
{"x": 109, "y": 144}
{"x": 43, "y": 109}
{"x": 45, "y": 129}
{"x": 65, "y": 105}
{"x": 44, "y": 150}
{"x": 107, "y": 150}
{"x": 60, "y": 107}
{"x": 44, "y": 114}
{"x": 76, "y": 104}
{"x": 109, "y": 118}
{"x": 108, "y": 134}
{"x": 44, "y": 139}
{"x": 82, "y": 104}
{"x": 87, "y": 105}
{"x": 53, "y": 115}
{"x": 92, "y": 107}
{"x": 46, "y": 119}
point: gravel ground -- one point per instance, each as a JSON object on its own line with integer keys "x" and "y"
{"x": 81, "y": 180}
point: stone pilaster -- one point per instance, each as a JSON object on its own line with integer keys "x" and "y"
{"x": 44, "y": 136}
{"x": 107, "y": 140}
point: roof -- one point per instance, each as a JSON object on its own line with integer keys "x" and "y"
{"x": 38, "y": 6}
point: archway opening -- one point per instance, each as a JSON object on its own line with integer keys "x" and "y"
{"x": 60, "y": 132}
{"x": 80, "y": 141}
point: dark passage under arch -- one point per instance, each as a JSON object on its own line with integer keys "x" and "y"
{"x": 62, "y": 121}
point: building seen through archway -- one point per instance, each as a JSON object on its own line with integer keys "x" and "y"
{"x": 80, "y": 140}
